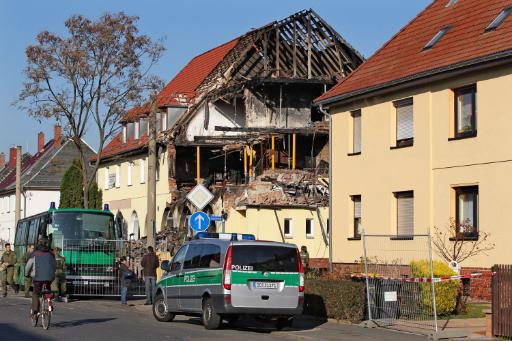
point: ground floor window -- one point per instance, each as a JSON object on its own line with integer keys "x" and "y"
{"x": 405, "y": 214}
{"x": 288, "y": 228}
{"x": 466, "y": 210}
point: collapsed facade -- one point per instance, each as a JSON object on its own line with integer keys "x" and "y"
{"x": 239, "y": 119}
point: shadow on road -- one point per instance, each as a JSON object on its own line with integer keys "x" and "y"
{"x": 249, "y": 324}
{"x": 75, "y": 323}
{"x": 9, "y": 332}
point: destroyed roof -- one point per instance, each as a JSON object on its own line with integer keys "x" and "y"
{"x": 405, "y": 57}
{"x": 45, "y": 169}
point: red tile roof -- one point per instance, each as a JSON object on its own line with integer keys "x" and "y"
{"x": 403, "y": 55}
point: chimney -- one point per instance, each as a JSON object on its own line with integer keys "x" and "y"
{"x": 57, "y": 135}
{"x": 12, "y": 157}
{"x": 2, "y": 160}
{"x": 40, "y": 141}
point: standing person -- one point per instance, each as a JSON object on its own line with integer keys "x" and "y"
{"x": 59, "y": 283}
{"x": 28, "y": 281}
{"x": 126, "y": 276}
{"x": 304, "y": 257}
{"x": 7, "y": 262}
{"x": 41, "y": 268}
{"x": 149, "y": 265}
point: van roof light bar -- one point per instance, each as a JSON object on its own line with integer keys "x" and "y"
{"x": 225, "y": 236}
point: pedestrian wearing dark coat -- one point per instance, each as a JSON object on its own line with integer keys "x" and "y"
{"x": 149, "y": 265}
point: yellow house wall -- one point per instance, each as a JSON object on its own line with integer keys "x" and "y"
{"x": 129, "y": 199}
{"x": 264, "y": 224}
{"x": 430, "y": 168}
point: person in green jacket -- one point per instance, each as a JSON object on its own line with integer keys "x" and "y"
{"x": 8, "y": 262}
{"x": 28, "y": 281}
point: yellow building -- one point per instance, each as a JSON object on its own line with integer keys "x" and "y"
{"x": 421, "y": 133}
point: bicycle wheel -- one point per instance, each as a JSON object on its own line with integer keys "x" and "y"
{"x": 45, "y": 314}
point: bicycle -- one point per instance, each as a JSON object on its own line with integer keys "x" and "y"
{"x": 45, "y": 307}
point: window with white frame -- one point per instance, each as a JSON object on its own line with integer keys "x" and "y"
{"x": 164, "y": 121}
{"x": 130, "y": 128}
{"x": 130, "y": 173}
{"x": 309, "y": 228}
{"x": 143, "y": 127}
{"x": 137, "y": 130}
{"x": 158, "y": 122}
{"x": 356, "y": 201}
{"x": 288, "y": 228}
{"x": 142, "y": 171}
{"x": 118, "y": 176}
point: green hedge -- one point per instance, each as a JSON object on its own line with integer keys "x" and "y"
{"x": 337, "y": 299}
{"x": 446, "y": 292}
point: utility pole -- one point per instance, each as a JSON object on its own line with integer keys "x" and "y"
{"x": 151, "y": 214}
{"x": 17, "y": 210}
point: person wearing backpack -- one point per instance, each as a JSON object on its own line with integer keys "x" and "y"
{"x": 126, "y": 277}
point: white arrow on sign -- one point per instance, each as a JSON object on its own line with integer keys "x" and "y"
{"x": 199, "y": 220}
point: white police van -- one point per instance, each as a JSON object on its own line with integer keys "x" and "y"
{"x": 223, "y": 276}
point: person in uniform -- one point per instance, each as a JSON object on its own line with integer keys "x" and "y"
{"x": 7, "y": 264}
{"x": 24, "y": 259}
{"x": 304, "y": 256}
{"x": 59, "y": 283}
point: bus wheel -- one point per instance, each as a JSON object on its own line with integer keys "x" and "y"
{"x": 160, "y": 309}
{"x": 211, "y": 319}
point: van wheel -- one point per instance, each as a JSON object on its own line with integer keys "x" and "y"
{"x": 160, "y": 309}
{"x": 284, "y": 322}
{"x": 211, "y": 319}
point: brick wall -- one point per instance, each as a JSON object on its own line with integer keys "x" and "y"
{"x": 480, "y": 287}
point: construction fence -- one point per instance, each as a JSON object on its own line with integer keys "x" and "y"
{"x": 502, "y": 300}
{"x": 400, "y": 282}
{"x": 92, "y": 267}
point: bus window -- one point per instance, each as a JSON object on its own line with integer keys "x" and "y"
{"x": 21, "y": 233}
{"x": 82, "y": 225}
{"x": 33, "y": 231}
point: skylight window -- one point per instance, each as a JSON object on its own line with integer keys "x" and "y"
{"x": 451, "y": 3}
{"x": 499, "y": 19}
{"x": 436, "y": 38}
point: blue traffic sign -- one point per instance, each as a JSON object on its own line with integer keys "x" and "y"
{"x": 199, "y": 221}
{"x": 216, "y": 218}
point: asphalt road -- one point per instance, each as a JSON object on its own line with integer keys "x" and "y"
{"x": 101, "y": 319}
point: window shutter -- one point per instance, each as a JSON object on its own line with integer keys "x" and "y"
{"x": 357, "y": 207}
{"x": 118, "y": 176}
{"x": 405, "y": 215}
{"x": 142, "y": 171}
{"x": 357, "y": 132}
{"x": 106, "y": 178}
{"x": 404, "y": 122}
{"x": 130, "y": 168}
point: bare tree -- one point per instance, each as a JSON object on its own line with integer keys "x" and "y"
{"x": 458, "y": 242}
{"x": 89, "y": 78}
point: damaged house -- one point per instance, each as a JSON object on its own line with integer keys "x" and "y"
{"x": 240, "y": 120}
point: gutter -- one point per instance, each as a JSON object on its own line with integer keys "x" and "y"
{"x": 329, "y": 225}
{"x": 481, "y": 63}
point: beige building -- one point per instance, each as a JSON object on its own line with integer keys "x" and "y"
{"x": 421, "y": 133}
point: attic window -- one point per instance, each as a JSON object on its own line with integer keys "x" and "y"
{"x": 436, "y": 38}
{"x": 451, "y": 3}
{"x": 499, "y": 19}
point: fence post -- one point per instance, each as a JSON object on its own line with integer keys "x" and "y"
{"x": 432, "y": 279}
{"x": 366, "y": 275}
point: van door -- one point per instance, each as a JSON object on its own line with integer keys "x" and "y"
{"x": 173, "y": 281}
{"x": 264, "y": 276}
{"x": 188, "y": 291}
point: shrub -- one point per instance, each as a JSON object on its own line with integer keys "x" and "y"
{"x": 446, "y": 292}
{"x": 338, "y": 299}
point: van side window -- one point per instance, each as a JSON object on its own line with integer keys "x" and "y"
{"x": 193, "y": 256}
{"x": 33, "y": 231}
{"x": 177, "y": 261}
{"x": 210, "y": 257}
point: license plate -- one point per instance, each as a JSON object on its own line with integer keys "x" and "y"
{"x": 264, "y": 285}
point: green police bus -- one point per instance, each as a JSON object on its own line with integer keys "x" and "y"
{"x": 88, "y": 242}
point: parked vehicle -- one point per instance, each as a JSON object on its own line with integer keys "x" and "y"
{"x": 223, "y": 276}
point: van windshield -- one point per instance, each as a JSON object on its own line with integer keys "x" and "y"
{"x": 264, "y": 258}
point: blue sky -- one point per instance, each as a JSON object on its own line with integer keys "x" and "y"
{"x": 190, "y": 27}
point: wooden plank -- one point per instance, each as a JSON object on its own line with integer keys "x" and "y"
{"x": 309, "y": 46}
{"x": 294, "y": 48}
{"x": 278, "y": 52}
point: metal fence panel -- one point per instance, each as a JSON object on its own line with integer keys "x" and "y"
{"x": 395, "y": 299}
{"x": 92, "y": 267}
{"x": 502, "y": 300}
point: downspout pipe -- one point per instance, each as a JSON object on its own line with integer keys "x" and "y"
{"x": 329, "y": 225}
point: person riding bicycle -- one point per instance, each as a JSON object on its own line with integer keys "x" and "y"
{"x": 41, "y": 268}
